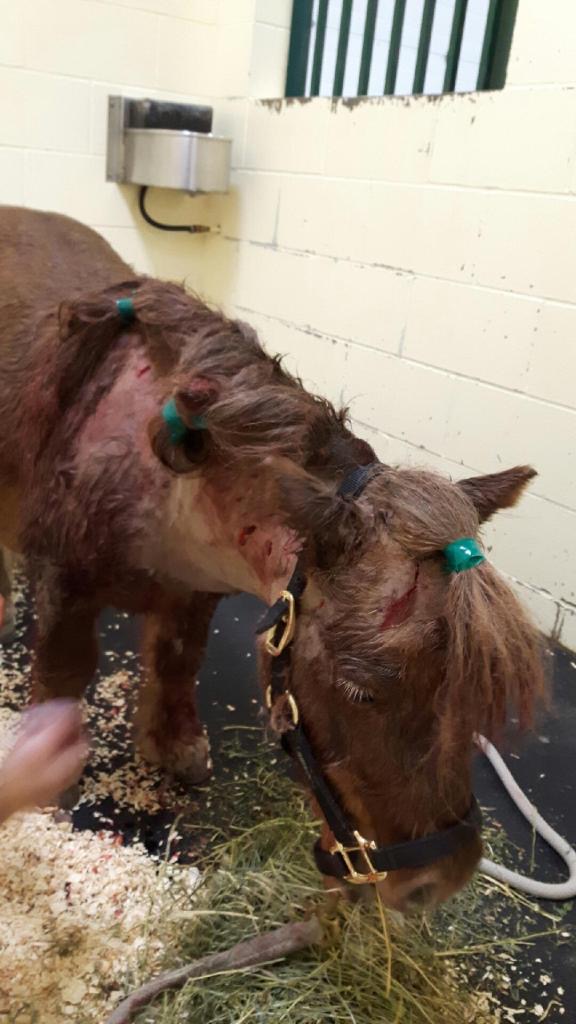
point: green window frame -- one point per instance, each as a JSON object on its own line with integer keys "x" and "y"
{"x": 307, "y": 47}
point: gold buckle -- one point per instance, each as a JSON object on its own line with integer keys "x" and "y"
{"x": 358, "y": 877}
{"x": 273, "y": 646}
{"x": 291, "y": 703}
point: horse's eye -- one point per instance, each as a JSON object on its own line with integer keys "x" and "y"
{"x": 390, "y": 672}
{"x": 355, "y": 694}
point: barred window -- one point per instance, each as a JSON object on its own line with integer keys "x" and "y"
{"x": 398, "y": 47}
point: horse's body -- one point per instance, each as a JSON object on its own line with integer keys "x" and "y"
{"x": 109, "y": 511}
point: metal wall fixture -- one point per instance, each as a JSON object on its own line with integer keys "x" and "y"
{"x": 152, "y": 143}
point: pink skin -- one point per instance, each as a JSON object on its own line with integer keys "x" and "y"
{"x": 123, "y": 413}
{"x": 263, "y": 552}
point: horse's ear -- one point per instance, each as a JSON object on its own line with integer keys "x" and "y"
{"x": 491, "y": 493}
{"x": 330, "y": 526}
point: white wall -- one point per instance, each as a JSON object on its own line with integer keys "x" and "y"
{"x": 414, "y": 257}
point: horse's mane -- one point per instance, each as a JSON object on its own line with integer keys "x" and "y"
{"x": 258, "y": 408}
{"x": 494, "y": 659}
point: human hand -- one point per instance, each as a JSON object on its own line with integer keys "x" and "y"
{"x": 47, "y": 757}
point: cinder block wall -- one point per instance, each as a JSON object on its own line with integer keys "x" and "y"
{"x": 412, "y": 257}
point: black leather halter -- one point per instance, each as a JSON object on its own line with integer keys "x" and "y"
{"x": 352, "y": 857}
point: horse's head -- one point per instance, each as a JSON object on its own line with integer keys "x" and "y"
{"x": 396, "y": 662}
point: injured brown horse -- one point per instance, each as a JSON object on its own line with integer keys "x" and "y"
{"x": 153, "y": 457}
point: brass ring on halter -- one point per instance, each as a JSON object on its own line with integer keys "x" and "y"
{"x": 274, "y": 645}
{"x": 294, "y": 709}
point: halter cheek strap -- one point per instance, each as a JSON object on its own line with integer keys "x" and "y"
{"x": 354, "y": 482}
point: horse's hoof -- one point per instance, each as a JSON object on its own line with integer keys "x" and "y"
{"x": 190, "y": 762}
{"x": 8, "y": 633}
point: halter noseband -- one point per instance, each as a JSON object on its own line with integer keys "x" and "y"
{"x": 350, "y": 851}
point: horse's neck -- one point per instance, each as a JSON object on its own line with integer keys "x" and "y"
{"x": 222, "y": 538}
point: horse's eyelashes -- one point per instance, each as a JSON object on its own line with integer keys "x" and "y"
{"x": 355, "y": 694}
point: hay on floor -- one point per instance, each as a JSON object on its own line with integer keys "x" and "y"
{"x": 457, "y": 968}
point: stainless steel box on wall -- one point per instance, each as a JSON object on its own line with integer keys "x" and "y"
{"x": 177, "y": 159}
{"x": 166, "y": 145}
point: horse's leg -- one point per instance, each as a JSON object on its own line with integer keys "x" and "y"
{"x": 7, "y": 615}
{"x": 168, "y": 729}
{"x": 9, "y": 527}
{"x": 65, "y": 652}
{"x": 66, "y": 646}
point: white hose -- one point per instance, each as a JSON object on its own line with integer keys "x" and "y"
{"x": 541, "y": 890}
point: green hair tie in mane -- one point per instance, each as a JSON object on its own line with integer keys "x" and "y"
{"x": 176, "y": 426}
{"x": 126, "y": 310}
{"x": 463, "y": 554}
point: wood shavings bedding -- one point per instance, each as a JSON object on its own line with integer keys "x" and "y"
{"x": 116, "y": 769}
{"x": 131, "y": 781}
{"x": 83, "y": 918}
